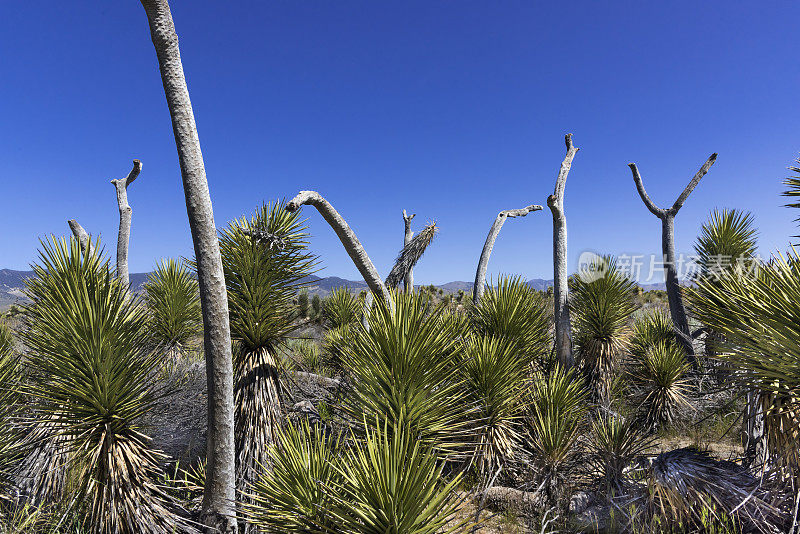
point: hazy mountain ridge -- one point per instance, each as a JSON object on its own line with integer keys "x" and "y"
{"x": 12, "y": 284}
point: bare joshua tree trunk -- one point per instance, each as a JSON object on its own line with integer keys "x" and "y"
{"x": 676, "y": 308}
{"x": 560, "y": 288}
{"x": 219, "y": 509}
{"x": 125, "y": 216}
{"x": 480, "y": 274}
{"x": 408, "y": 281}
{"x": 79, "y": 233}
{"x": 346, "y": 235}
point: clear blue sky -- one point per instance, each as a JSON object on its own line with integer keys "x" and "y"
{"x": 451, "y": 110}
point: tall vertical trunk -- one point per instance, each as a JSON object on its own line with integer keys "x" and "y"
{"x": 408, "y": 281}
{"x": 218, "y": 509}
{"x": 560, "y": 276}
{"x": 479, "y": 286}
{"x": 676, "y": 308}
{"x": 125, "y": 217}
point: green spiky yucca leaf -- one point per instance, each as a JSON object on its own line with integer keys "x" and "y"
{"x": 557, "y": 403}
{"x": 266, "y": 263}
{"x": 91, "y": 382}
{"x": 726, "y": 238}
{"x": 494, "y": 378}
{"x": 296, "y": 495}
{"x": 173, "y": 301}
{"x": 406, "y": 364}
{"x": 341, "y": 308}
{"x": 9, "y": 385}
{"x": 393, "y": 482}
{"x": 616, "y": 442}
{"x": 654, "y": 327}
{"x": 658, "y": 378}
{"x": 602, "y": 307}
{"x": 512, "y": 310}
{"x": 793, "y": 188}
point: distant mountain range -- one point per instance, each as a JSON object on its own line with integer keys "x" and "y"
{"x": 12, "y": 283}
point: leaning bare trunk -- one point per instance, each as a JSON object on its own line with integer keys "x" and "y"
{"x": 676, "y": 308}
{"x": 408, "y": 281}
{"x": 479, "y": 286}
{"x": 560, "y": 288}
{"x": 125, "y": 217}
{"x": 79, "y": 233}
{"x": 219, "y": 510}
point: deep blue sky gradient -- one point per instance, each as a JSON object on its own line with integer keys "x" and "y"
{"x": 452, "y": 110}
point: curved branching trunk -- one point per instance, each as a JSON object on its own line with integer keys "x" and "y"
{"x": 408, "y": 281}
{"x": 560, "y": 288}
{"x": 218, "y": 510}
{"x": 346, "y": 235}
{"x": 676, "y": 308}
{"x": 79, "y": 233}
{"x": 125, "y": 217}
{"x": 480, "y": 274}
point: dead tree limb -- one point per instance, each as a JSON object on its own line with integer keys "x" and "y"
{"x": 667, "y": 216}
{"x": 408, "y": 281}
{"x": 79, "y": 233}
{"x": 346, "y": 235}
{"x": 480, "y": 274}
{"x": 125, "y": 217}
{"x": 560, "y": 288}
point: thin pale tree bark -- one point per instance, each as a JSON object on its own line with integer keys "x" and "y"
{"x": 125, "y": 219}
{"x": 667, "y": 216}
{"x": 408, "y": 281}
{"x": 560, "y": 276}
{"x": 79, "y": 233}
{"x": 346, "y": 235}
{"x": 218, "y": 508}
{"x": 480, "y": 274}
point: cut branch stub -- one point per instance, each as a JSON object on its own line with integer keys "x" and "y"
{"x": 479, "y": 285}
{"x": 79, "y": 233}
{"x": 408, "y": 281}
{"x": 125, "y": 216}
{"x": 347, "y": 237}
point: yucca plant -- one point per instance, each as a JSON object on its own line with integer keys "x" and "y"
{"x": 394, "y": 482}
{"x": 616, "y": 442}
{"x": 173, "y": 302}
{"x": 90, "y": 383}
{"x": 299, "y": 492}
{"x": 557, "y": 404}
{"x": 495, "y": 378}
{"x": 658, "y": 381}
{"x": 793, "y": 188}
{"x": 406, "y": 364}
{"x": 512, "y": 310}
{"x": 341, "y": 308}
{"x": 601, "y": 309}
{"x": 266, "y": 263}
{"x": 9, "y": 384}
{"x": 759, "y": 316}
{"x": 652, "y": 328}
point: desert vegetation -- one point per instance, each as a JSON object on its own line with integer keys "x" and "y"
{"x": 589, "y": 407}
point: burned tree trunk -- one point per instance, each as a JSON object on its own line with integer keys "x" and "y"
{"x": 480, "y": 274}
{"x": 560, "y": 288}
{"x": 408, "y": 281}
{"x": 125, "y": 217}
{"x": 219, "y": 498}
{"x": 676, "y": 308}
